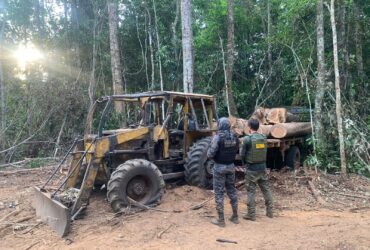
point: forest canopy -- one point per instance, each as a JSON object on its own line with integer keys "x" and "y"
{"x": 56, "y": 58}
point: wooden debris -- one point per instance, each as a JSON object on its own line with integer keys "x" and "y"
{"x": 356, "y": 209}
{"x": 13, "y": 213}
{"x": 159, "y": 235}
{"x": 142, "y": 206}
{"x": 32, "y": 245}
{"x": 200, "y": 205}
{"x": 316, "y": 193}
{"x": 283, "y": 130}
{"x": 354, "y": 196}
{"x": 226, "y": 241}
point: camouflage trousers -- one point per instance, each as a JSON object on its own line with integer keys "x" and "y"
{"x": 252, "y": 178}
{"x": 224, "y": 178}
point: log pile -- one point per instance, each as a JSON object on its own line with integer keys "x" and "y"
{"x": 274, "y": 123}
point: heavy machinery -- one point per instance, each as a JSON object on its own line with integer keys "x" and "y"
{"x": 156, "y": 137}
{"x": 132, "y": 153}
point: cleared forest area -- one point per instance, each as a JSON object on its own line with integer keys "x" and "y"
{"x": 339, "y": 219}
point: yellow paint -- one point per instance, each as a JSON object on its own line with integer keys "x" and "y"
{"x": 161, "y": 133}
{"x": 260, "y": 146}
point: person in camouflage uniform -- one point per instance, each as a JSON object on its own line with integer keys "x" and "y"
{"x": 223, "y": 149}
{"x": 253, "y": 153}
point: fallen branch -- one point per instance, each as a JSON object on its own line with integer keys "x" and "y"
{"x": 200, "y": 205}
{"x": 12, "y": 164}
{"x": 31, "y": 228}
{"x": 15, "y": 212}
{"x": 315, "y": 193}
{"x": 32, "y": 245}
{"x": 226, "y": 241}
{"x": 159, "y": 235}
{"x": 22, "y": 171}
{"x": 355, "y": 210}
{"x": 354, "y": 196}
{"x": 138, "y": 204}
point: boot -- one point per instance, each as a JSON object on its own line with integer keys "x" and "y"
{"x": 269, "y": 213}
{"x": 234, "y": 218}
{"x": 220, "y": 221}
{"x": 249, "y": 217}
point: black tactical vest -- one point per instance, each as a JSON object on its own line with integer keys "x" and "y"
{"x": 227, "y": 149}
{"x": 258, "y": 149}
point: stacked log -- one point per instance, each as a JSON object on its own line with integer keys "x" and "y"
{"x": 274, "y": 123}
{"x": 284, "y": 130}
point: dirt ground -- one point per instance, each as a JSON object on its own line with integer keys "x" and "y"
{"x": 341, "y": 220}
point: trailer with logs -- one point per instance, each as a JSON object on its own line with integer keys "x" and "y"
{"x": 285, "y": 134}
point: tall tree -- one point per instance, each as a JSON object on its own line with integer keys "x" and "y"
{"x": 358, "y": 42}
{"x": 269, "y": 28}
{"x": 338, "y": 103}
{"x": 342, "y": 43}
{"x": 187, "y": 46}
{"x": 114, "y": 52}
{"x": 2, "y": 89}
{"x": 321, "y": 72}
{"x": 230, "y": 59}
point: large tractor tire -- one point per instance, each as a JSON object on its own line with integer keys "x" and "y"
{"x": 138, "y": 179}
{"x": 198, "y": 169}
{"x": 293, "y": 158}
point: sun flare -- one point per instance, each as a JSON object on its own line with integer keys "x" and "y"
{"x": 27, "y": 54}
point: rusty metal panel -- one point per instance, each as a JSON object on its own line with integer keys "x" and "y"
{"x": 52, "y": 212}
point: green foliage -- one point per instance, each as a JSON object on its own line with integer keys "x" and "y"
{"x": 55, "y": 89}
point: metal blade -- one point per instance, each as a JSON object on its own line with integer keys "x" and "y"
{"x": 54, "y": 213}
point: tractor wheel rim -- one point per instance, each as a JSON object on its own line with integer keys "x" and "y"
{"x": 137, "y": 188}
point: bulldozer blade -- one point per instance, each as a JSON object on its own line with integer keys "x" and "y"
{"x": 54, "y": 213}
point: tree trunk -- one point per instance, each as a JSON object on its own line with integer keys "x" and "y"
{"x": 321, "y": 72}
{"x": 358, "y": 42}
{"x": 151, "y": 49}
{"x": 187, "y": 46}
{"x": 231, "y": 107}
{"x": 284, "y": 130}
{"x": 2, "y": 93}
{"x": 174, "y": 33}
{"x": 158, "y": 47}
{"x": 159, "y": 55}
{"x": 338, "y": 103}
{"x": 75, "y": 32}
{"x": 114, "y": 53}
{"x": 176, "y": 52}
{"x": 342, "y": 43}
{"x": 269, "y": 53}
{"x": 92, "y": 74}
{"x": 39, "y": 16}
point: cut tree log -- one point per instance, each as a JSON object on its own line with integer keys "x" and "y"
{"x": 265, "y": 129}
{"x": 284, "y": 130}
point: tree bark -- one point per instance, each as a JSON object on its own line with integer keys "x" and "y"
{"x": 159, "y": 55}
{"x": 284, "y": 130}
{"x": 358, "y": 42}
{"x": 338, "y": 103}
{"x": 39, "y": 16}
{"x": 114, "y": 53}
{"x": 187, "y": 46}
{"x": 75, "y": 32}
{"x": 92, "y": 74}
{"x": 321, "y": 72}
{"x": 174, "y": 33}
{"x": 158, "y": 47}
{"x": 342, "y": 43}
{"x": 151, "y": 49}
{"x": 230, "y": 59}
{"x": 269, "y": 53}
{"x": 2, "y": 93}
